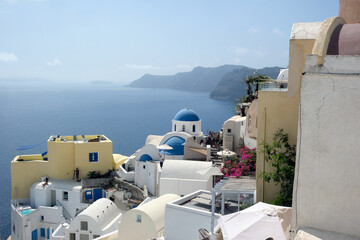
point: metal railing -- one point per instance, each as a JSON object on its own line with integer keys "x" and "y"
{"x": 66, "y": 214}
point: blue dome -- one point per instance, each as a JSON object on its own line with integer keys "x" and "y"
{"x": 177, "y": 144}
{"x": 186, "y": 115}
{"x": 145, "y": 158}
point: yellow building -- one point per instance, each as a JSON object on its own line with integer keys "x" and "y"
{"x": 279, "y": 108}
{"x": 65, "y": 154}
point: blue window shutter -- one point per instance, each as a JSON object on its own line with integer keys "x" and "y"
{"x": 34, "y": 235}
{"x": 93, "y": 157}
{"x": 42, "y": 232}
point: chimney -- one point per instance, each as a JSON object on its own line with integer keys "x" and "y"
{"x": 349, "y": 10}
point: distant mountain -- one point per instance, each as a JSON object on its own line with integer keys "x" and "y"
{"x": 224, "y": 82}
{"x": 199, "y": 79}
{"x": 233, "y": 86}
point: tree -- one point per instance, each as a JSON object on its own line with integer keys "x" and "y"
{"x": 253, "y": 83}
{"x": 281, "y": 155}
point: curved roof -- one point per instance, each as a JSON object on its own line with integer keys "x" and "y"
{"x": 102, "y": 211}
{"x": 186, "y": 169}
{"x": 155, "y": 209}
{"x": 145, "y": 157}
{"x": 186, "y": 115}
{"x": 177, "y": 143}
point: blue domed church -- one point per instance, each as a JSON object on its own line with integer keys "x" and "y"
{"x": 186, "y": 120}
{"x": 175, "y": 145}
{"x": 185, "y": 125}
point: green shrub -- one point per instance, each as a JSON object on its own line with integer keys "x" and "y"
{"x": 281, "y": 155}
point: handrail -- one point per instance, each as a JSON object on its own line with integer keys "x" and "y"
{"x": 64, "y": 211}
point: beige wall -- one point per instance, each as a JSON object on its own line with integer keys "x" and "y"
{"x": 24, "y": 174}
{"x": 82, "y": 157}
{"x": 251, "y": 127}
{"x": 63, "y": 158}
{"x": 279, "y": 109}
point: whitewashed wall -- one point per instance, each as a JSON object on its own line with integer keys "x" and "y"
{"x": 183, "y": 186}
{"x": 73, "y": 203}
{"x": 327, "y": 180}
{"x": 184, "y": 223}
{"x": 188, "y": 127}
{"x": 146, "y": 173}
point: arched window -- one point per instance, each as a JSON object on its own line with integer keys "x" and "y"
{"x": 183, "y": 128}
{"x": 194, "y": 128}
{"x": 174, "y": 127}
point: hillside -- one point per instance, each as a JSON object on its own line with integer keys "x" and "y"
{"x": 199, "y": 79}
{"x": 225, "y": 82}
{"x": 233, "y": 86}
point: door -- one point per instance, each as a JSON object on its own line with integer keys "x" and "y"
{"x": 97, "y": 194}
{"x": 34, "y": 235}
{"x": 53, "y": 197}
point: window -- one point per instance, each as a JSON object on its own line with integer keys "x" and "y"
{"x": 65, "y": 196}
{"x": 83, "y": 225}
{"x": 174, "y": 127}
{"x": 144, "y": 166}
{"x": 229, "y": 130}
{"x": 194, "y": 128}
{"x": 42, "y": 218}
{"x": 13, "y": 228}
{"x": 93, "y": 157}
{"x": 138, "y": 218}
{"x": 183, "y": 128}
{"x": 96, "y": 236}
{"x": 42, "y": 232}
{"x": 84, "y": 236}
{"x": 72, "y": 236}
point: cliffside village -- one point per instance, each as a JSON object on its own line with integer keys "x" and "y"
{"x": 178, "y": 185}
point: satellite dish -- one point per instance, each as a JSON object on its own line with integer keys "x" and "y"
{"x": 128, "y": 195}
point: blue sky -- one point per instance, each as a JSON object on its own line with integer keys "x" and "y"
{"x": 119, "y": 41}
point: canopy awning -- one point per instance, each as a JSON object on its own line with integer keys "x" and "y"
{"x": 199, "y": 150}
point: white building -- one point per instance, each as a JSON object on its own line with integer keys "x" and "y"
{"x": 234, "y": 132}
{"x": 147, "y": 221}
{"x": 50, "y": 204}
{"x": 182, "y": 143}
{"x": 327, "y": 180}
{"x": 186, "y": 120}
{"x": 98, "y": 219}
{"x": 28, "y": 223}
{"x": 185, "y": 216}
{"x": 183, "y": 177}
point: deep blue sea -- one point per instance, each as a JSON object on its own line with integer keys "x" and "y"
{"x": 30, "y": 113}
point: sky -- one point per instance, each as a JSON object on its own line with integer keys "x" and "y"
{"x": 120, "y": 41}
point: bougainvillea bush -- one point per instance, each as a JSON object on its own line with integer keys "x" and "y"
{"x": 244, "y": 165}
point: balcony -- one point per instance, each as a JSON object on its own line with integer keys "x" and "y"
{"x": 30, "y": 158}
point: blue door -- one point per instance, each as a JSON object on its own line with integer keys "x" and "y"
{"x": 34, "y": 235}
{"x": 97, "y": 194}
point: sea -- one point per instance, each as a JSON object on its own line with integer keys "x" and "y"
{"x": 31, "y": 112}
